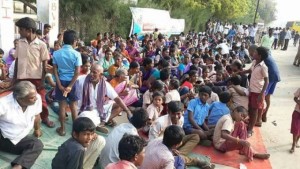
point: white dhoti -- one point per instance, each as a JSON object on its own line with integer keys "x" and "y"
{"x": 94, "y": 115}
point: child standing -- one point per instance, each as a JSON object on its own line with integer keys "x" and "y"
{"x": 82, "y": 149}
{"x": 295, "y": 126}
{"x": 258, "y": 84}
{"x": 66, "y": 64}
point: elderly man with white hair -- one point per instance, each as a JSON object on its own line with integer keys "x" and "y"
{"x": 98, "y": 100}
{"x": 19, "y": 113}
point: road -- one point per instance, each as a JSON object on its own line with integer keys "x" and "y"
{"x": 277, "y": 138}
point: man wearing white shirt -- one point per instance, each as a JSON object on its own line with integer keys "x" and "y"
{"x": 93, "y": 91}
{"x": 19, "y": 113}
{"x": 287, "y": 38}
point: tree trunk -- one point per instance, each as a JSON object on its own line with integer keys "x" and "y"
{"x": 29, "y": 5}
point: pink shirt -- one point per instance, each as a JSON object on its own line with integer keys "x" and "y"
{"x": 158, "y": 156}
{"x": 30, "y": 58}
{"x": 259, "y": 72}
{"x": 123, "y": 164}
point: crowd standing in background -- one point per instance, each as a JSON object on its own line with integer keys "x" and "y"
{"x": 177, "y": 93}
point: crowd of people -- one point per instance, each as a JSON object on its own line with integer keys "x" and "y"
{"x": 177, "y": 93}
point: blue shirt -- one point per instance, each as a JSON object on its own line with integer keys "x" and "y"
{"x": 217, "y": 110}
{"x": 200, "y": 111}
{"x": 66, "y": 59}
{"x": 273, "y": 70}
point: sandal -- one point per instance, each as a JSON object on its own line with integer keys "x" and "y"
{"x": 111, "y": 123}
{"x": 60, "y": 132}
{"x": 258, "y": 124}
{"x": 250, "y": 133}
{"x": 102, "y": 129}
{"x": 49, "y": 123}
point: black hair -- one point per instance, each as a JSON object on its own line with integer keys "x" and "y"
{"x": 134, "y": 65}
{"x": 147, "y": 61}
{"x": 47, "y": 26}
{"x": 173, "y": 135}
{"x": 225, "y": 97}
{"x": 129, "y": 146}
{"x": 205, "y": 89}
{"x": 236, "y": 80}
{"x": 82, "y": 124}
{"x": 38, "y": 32}
{"x": 158, "y": 93}
{"x": 263, "y": 52}
{"x": 1, "y": 51}
{"x": 192, "y": 73}
{"x": 164, "y": 63}
{"x": 240, "y": 109}
{"x": 139, "y": 118}
{"x": 85, "y": 58}
{"x": 174, "y": 83}
{"x": 194, "y": 56}
{"x": 157, "y": 85}
{"x": 164, "y": 74}
{"x": 193, "y": 67}
{"x": 216, "y": 89}
{"x": 27, "y": 23}
{"x": 69, "y": 37}
{"x": 238, "y": 64}
{"x": 175, "y": 106}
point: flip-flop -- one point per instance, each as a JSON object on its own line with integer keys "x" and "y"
{"x": 102, "y": 129}
{"x": 49, "y": 123}
{"x": 111, "y": 123}
{"x": 60, "y": 132}
{"x": 249, "y": 134}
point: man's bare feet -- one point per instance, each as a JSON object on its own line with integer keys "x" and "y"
{"x": 262, "y": 156}
{"x": 292, "y": 150}
{"x": 17, "y": 166}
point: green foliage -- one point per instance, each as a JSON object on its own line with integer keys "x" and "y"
{"x": 91, "y": 16}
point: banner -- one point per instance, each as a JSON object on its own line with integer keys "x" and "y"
{"x": 145, "y": 20}
{"x": 176, "y": 26}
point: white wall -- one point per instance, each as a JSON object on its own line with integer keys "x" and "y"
{"x": 47, "y": 12}
{"x": 6, "y": 25}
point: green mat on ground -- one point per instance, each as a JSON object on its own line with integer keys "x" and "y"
{"x": 51, "y": 142}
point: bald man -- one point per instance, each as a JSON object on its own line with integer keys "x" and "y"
{"x": 98, "y": 100}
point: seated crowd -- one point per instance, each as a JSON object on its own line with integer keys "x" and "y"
{"x": 177, "y": 94}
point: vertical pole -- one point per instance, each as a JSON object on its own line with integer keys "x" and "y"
{"x": 256, "y": 11}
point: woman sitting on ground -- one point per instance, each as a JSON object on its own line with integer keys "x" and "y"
{"x": 126, "y": 90}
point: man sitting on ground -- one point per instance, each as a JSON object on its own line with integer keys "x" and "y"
{"x": 93, "y": 90}
{"x": 19, "y": 113}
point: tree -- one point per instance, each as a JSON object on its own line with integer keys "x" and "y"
{"x": 29, "y": 4}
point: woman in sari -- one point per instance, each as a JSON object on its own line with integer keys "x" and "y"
{"x": 149, "y": 74}
{"x": 107, "y": 61}
{"x": 126, "y": 90}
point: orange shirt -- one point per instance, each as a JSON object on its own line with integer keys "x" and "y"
{"x": 126, "y": 55}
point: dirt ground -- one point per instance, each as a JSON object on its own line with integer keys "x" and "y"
{"x": 276, "y": 132}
